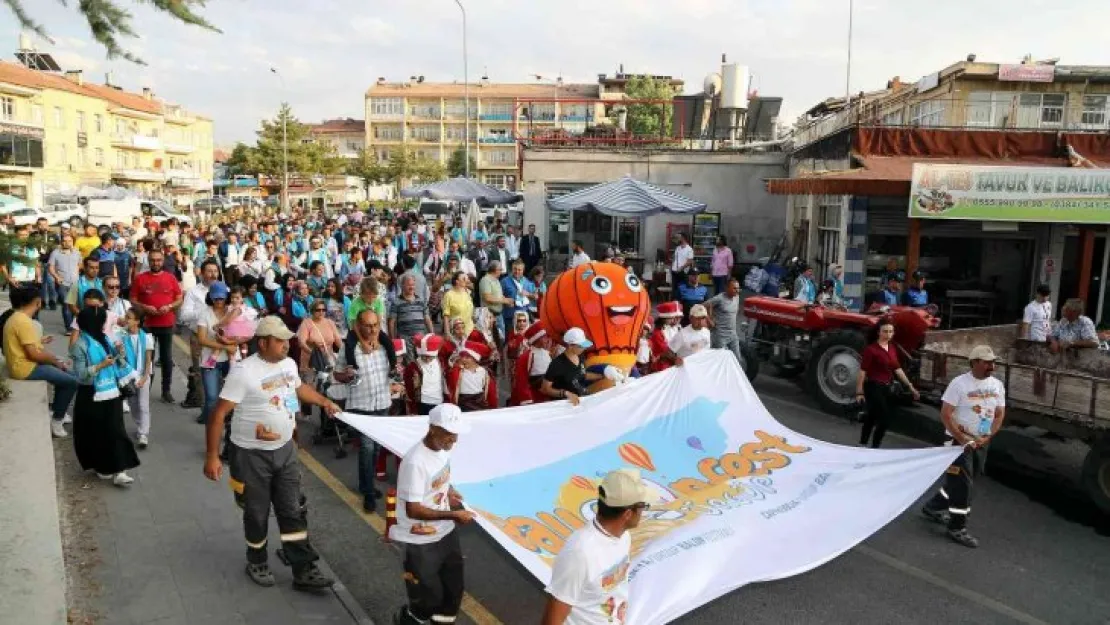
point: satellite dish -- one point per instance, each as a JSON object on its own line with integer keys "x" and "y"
{"x": 712, "y": 84}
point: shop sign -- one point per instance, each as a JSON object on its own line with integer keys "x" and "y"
{"x": 1026, "y": 73}
{"x": 22, "y": 131}
{"x": 1031, "y": 194}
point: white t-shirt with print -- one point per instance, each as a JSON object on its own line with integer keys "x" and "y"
{"x": 208, "y": 356}
{"x": 591, "y": 575}
{"x": 141, "y": 351}
{"x": 689, "y": 341}
{"x": 266, "y": 393}
{"x": 425, "y": 478}
{"x": 1039, "y": 317}
{"x": 975, "y": 402}
{"x": 431, "y": 383}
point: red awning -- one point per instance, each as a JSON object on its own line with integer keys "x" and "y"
{"x": 885, "y": 175}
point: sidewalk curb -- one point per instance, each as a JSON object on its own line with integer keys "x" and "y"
{"x": 342, "y": 594}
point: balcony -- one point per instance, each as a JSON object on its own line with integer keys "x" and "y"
{"x": 23, "y": 121}
{"x": 136, "y": 142}
{"x": 178, "y": 148}
{"x": 424, "y": 139}
{"x": 496, "y": 139}
{"x": 496, "y": 117}
{"x": 186, "y": 179}
{"x": 138, "y": 174}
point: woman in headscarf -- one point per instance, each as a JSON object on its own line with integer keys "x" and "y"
{"x": 99, "y": 437}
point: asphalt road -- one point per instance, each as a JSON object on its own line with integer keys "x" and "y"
{"x": 1045, "y": 554}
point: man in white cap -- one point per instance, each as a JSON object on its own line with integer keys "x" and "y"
{"x": 589, "y": 580}
{"x": 974, "y": 406}
{"x": 566, "y": 376}
{"x": 694, "y": 337}
{"x": 265, "y": 391}
{"x": 428, "y": 508}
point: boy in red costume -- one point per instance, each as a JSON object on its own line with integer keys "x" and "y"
{"x": 666, "y": 327}
{"x": 471, "y": 386}
{"x": 424, "y": 376}
{"x": 531, "y": 366}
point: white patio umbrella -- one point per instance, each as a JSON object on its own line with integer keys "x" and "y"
{"x": 473, "y": 216}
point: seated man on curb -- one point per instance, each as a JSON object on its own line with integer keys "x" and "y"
{"x": 1074, "y": 329}
{"x": 27, "y": 360}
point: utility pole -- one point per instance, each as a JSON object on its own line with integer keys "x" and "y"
{"x": 466, "y": 93}
{"x": 284, "y": 147}
{"x": 848, "y": 78}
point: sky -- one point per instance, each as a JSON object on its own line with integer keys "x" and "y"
{"x": 328, "y": 52}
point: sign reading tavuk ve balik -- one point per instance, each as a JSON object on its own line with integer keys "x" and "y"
{"x": 736, "y": 497}
{"x": 1037, "y": 194}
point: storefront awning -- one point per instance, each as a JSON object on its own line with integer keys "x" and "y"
{"x": 885, "y": 175}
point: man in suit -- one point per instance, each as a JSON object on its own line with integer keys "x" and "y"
{"x": 530, "y": 249}
{"x": 479, "y": 256}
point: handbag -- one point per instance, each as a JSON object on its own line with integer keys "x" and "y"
{"x": 319, "y": 360}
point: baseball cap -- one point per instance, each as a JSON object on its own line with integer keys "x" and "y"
{"x": 576, "y": 337}
{"x": 697, "y": 310}
{"x": 273, "y": 326}
{"x": 448, "y": 417}
{"x": 218, "y": 290}
{"x": 623, "y": 488}
{"x": 982, "y": 352}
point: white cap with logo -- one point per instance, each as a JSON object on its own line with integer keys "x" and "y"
{"x": 982, "y": 352}
{"x": 448, "y": 417}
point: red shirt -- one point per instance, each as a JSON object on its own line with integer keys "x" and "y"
{"x": 156, "y": 290}
{"x": 879, "y": 364}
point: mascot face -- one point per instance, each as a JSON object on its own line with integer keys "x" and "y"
{"x": 607, "y": 302}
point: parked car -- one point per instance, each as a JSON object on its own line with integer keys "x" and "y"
{"x": 104, "y": 212}
{"x": 54, "y": 215}
{"x": 162, "y": 212}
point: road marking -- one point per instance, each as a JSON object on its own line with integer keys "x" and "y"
{"x": 470, "y": 606}
{"x": 925, "y": 576}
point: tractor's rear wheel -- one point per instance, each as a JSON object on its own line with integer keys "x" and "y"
{"x": 833, "y": 370}
{"x": 1096, "y": 474}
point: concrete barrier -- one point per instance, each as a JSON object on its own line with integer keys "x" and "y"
{"x": 32, "y": 571}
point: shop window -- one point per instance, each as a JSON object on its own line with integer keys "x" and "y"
{"x": 1040, "y": 110}
{"x": 20, "y": 151}
{"x": 1094, "y": 112}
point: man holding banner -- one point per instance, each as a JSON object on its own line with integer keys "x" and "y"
{"x": 589, "y": 580}
{"x": 428, "y": 508}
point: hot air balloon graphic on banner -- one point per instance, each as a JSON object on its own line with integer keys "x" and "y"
{"x": 582, "y": 482}
{"x": 636, "y": 455}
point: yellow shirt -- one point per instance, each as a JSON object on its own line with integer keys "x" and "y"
{"x": 19, "y": 331}
{"x": 85, "y": 245}
{"x": 457, "y": 304}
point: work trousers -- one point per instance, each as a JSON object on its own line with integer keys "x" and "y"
{"x": 955, "y": 495}
{"x": 434, "y": 580}
{"x": 163, "y": 337}
{"x": 264, "y": 478}
{"x": 877, "y": 413}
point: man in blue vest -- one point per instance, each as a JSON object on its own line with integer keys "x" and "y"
{"x": 915, "y": 294}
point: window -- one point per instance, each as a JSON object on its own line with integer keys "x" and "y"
{"x": 387, "y": 106}
{"x": 20, "y": 151}
{"x": 99, "y": 156}
{"x": 497, "y": 111}
{"x": 59, "y": 118}
{"x": 121, "y": 160}
{"x": 353, "y": 146}
{"x": 425, "y": 110}
{"x": 500, "y": 157}
{"x": 930, "y": 113}
{"x": 830, "y": 208}
{"x": 63, "y": 155}
{"x": 36, "y": 114}
{"x": 7, "y": 109}
{"x": 81, "y": 158}
{"x": 497, "y": 180}
{"x": 425, "y": 133}
{"x": 383, "y": 156}
{"x": 1039, "y": 110}
{"x": 455, "y": 133}
{"x": 1094, "y": 112}
{"x": 80, "y": 121}
{"x": 98, "y": 123}
{"x": 893, "y": 118}
{"x": 388, "y": 133}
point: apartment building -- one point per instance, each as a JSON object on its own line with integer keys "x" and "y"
{"x": 430, "y": 118}
{"x": 59, "y": 132}
{"x": 346, "y": 135}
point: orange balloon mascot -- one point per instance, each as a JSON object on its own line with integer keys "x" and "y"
{"x": 609, "y": 303}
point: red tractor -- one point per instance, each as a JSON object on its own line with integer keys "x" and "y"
{"x": 825, "y": 343}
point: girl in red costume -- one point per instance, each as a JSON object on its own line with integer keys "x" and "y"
{"x": 471, "y": 386}
{"x": 531, "y": 366}
{"x": 424, "y": 376}
{"x": 669, "y": 316}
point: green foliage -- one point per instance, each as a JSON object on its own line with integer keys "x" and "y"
{"x": 404, "y": 167}
{"x": 649, "y": 119}
{"x": 368, "y": 168}
{"x": 267, "y": 156}
{"x": 456, "y": 165}
{"x": 109, "y": 21}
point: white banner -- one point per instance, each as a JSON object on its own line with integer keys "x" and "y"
{"x": 741, "y": 498}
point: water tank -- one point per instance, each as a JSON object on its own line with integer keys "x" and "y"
{"x": 734, "y": 86}
{"x": 712, "y": 84}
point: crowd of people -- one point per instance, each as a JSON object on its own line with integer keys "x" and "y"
{"x": 373, "y": 315}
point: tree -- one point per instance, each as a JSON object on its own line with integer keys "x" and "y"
{"x": 456, "y": 165}
{"x": 405, "y": 166}
{"x": 649, "y": 119}
{"x": 109, "y": 21}
{"x": 242, "y": 161}
{"x": 368, "y": 169}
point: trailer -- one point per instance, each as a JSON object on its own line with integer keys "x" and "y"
{"x": 1067, "y": 393}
